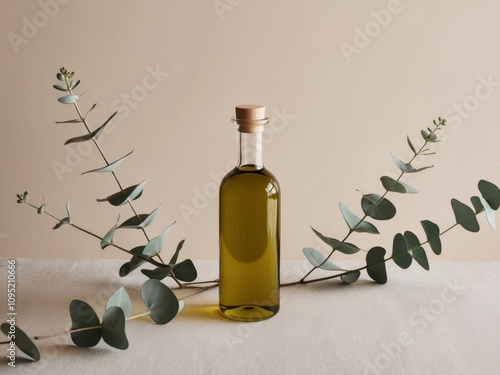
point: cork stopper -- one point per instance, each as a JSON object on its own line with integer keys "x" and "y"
{"x": 250, "y": 118}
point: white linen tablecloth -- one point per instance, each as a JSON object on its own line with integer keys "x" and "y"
{"x": 444, "y": 321}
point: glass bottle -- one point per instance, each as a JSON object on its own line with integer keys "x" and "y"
{"x": 249, "y": 227}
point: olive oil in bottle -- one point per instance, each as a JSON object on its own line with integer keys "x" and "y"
{"x": 249, "y": 227}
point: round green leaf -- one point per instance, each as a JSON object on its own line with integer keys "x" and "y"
{"x": 68, "y": 99}
{"x": 185, "y": 270}
{"x": 318, "y": 259}
{"x": 377, "y": 207}
{"x": 158, "y": 273}
{"x": 22, "y": 341}
{"x": 83, "y": 316}
{"x": 400, "y": 254}
{"x": 465, "y": 216}
{"x": 416, "y": 250}
{"x": 121, "y": 299}
{"x": 433, "y": 235}
{"x": 350, "y": 277}
{"x": 491, "y": 193}
{"x": 113, "y": 328}
{"x": 396, "y": 186}
{"x": 375, "y": 263}
{"x": 160, "y": 301}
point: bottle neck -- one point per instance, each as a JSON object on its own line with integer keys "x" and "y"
{"x": 249, "y": 150}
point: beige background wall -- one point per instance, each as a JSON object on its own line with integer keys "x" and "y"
{"x": 344, "y": 83}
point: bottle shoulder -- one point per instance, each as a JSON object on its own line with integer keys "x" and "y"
{"x": 250, "y": 173}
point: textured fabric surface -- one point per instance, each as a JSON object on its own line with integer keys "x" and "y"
{"x": 445, "y": 321}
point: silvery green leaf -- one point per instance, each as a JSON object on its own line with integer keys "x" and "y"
{"x": 318, "y": 259}
{"x": 154, "y": 246}
{"x": 92, "y": 135}
{"x": 111, "y": 167}
{"x": 126, "y": 195}
{"x": 396, "y": 186}
{"x": 424, "y": 134}
{"x": 161, "y": 302}
{"x": 121, "y": 299}
{"x": 68, "y": 211}
{"x": 108, "y": 238}
{"x": 91, "y": 108}
{"x": 60, "y": 76}
{"x": 68, "y": 99}
{"x": 343, "y": 247}
{"x": 350, "y": 277}
{"x": 70, "y": 75}
{"x": 490, "y": 213}
{"x": 62, "y": 222}
{"x": 73, "y": 84}
{"x": 135, "y": 262}
{"x": 60, "y": 87}
{"x": 355, "y": 223}
{"x": 406, "y": 167}
{"x": 41, "y": 209}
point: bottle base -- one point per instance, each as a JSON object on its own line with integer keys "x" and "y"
{"x": 248, "y": 313}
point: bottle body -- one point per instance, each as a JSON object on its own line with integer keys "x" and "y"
{"x": 249, "y": 225}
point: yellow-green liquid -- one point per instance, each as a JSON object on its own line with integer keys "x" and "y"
{"x": 249, "y": 225}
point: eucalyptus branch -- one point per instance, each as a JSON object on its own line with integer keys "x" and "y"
{"x": 69, "y": 87}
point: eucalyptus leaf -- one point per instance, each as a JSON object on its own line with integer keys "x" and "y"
{"x": 60, "y": 76}
{"x": 375, "y": 263}
{"x": 477, "y": 204}
{"x": 108, "y": 237}
{"x": 22, "y": 341}
{"x": 433, "y": 235}
{"x": 155, "y": 245}
{"x": 400, "y": 254}
{"x": 126, "y": 195}
{"x": 491, "y": 193}
{"x": 110, "y": 167}
{"x": 416, "y": 250}
{"x": 73, "y": 84}
{"x": 60, "y": 87}
{"x": 74, "y": 121}
{"x": 158, "y": 273}
{"x": 161, "y": 302}
{"x": 396, "y": 186}
{"x": 406, "y": 167}
{"x": 141, "y": 220}
{"x": 134, "y": 263}
{"x": 185, "y": 271}
{"x": 92, "y": 135}
{"x": 113, "y": 328}
{"x": 465, "y": 216}
{"x": 68, "y": 99}
{"x": 173, "y": 260}
{"x": 343, "y": 247}
{"x": 84, "y": 316}
{"x": 41, "y": 209}
{"x": 350, "y": 277}
{"x": 318, "y": 259}
{"x": 121, "y": 299}
{"x": 411, "y": 145}
{"x": 355, "y": 223}
{"x": 377, "y": 207}
{"x": 62, "y": 222}
{"x": 490, "y": 213}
